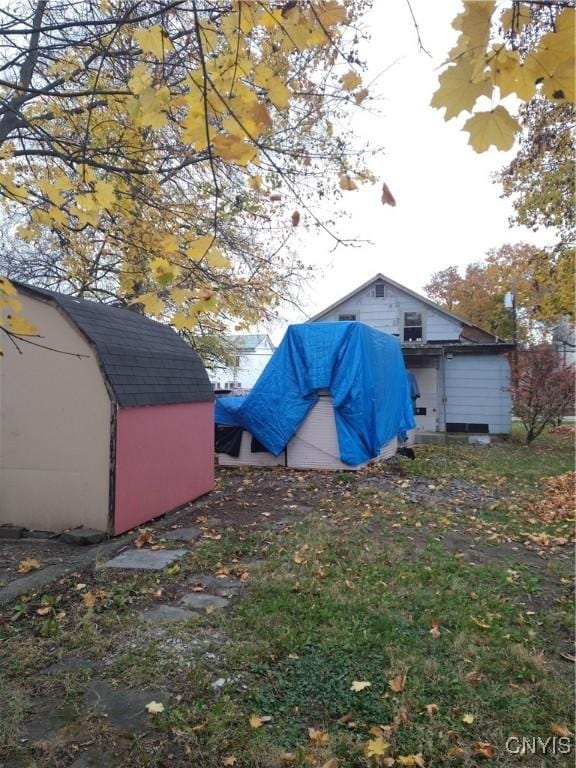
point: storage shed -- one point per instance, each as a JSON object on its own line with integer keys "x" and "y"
{"x": 333, "y": 396}
{"x": 106, "y": 418}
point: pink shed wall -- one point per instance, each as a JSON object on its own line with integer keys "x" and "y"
{"x": 164, "y": 458}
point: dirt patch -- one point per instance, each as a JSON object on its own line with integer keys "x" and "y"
{"x": 45, "y": 551}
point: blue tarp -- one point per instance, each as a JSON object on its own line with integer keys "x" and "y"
{"x": 361, "y": 367}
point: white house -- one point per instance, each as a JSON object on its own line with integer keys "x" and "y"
{"x": 462, "y": 371}
{"x": 251, "y": 354}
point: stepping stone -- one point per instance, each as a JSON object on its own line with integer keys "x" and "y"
{"x": 123, "y": 708}
{"x": 95, "y": 758}
{"x": 202, "y": 600}
{"x": 47, "y": 719}
{"x": 146, "y": 559}
{"x": 182, "y": 534}
{"x": 83, "y": 536}
{"x": 73, "y": 664}
{"x": 217, "y": 586}
{"x": 166, "y": 613}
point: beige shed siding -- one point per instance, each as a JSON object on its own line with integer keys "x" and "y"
{"x": 477, "y": 391}
{"x": 386, "y": 314}
{"x": 54, "y": 429}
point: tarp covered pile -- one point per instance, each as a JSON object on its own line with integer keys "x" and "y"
{"x": 361, "y": 367}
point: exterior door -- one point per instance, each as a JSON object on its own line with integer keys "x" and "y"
{"x": 427, "y": 404}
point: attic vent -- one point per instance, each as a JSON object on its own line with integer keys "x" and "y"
{"x": 379, "y": 290}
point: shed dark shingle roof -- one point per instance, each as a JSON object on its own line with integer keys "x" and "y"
{"x": 145, "y": 362}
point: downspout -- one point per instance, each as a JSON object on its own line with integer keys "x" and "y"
{"x": 443, "y": 398}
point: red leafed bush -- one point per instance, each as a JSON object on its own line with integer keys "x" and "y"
{"x": 542, "y": 388}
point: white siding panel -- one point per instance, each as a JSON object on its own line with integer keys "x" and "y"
{"x": 477, "y": 391}
{"x": 387, "y": 314}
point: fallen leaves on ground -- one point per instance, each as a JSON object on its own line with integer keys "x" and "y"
{"x": 257, "y": 721}
{"x": 560, "y": 730}
{"x": 411, "y": 760}
{"x": 484, "y": 749}
{"x": 144, "y": 538}
{"x": 28, "y": 564}
{"x": 559, "y": 499}
{"x": 155, "y": 707}
{"x": 318, "y": 736}
{"x": 468, "y": 718}
{"x": 376, "y": 747}
{"x": 397, "y": 684}
{"x": 359, "y": 685}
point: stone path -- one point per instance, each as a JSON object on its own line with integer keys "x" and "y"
{"x": 123, "y": 708}
{"x": 145, "y": 559}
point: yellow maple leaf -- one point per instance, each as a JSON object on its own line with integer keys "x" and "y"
{"x": 28, "y": 564}
{"x": 411, "y": 760}
{"x": 163, "y": 270}
{"x": 105, "y": 194}
{"x": 20, "y": 326}
{"x": 154, "y": 40}
{"x": 318, "y": 736}
{"x": 558, "y": 46}
{"x": 183, "y": 321}
{"x": 180, "y": 295}
{"x": 262, "y": 74}
{"x": 359, "y": 685}
{"x": 278, "y": 93}
{"x": 475, "y": 22}
{"x": 140, "y": 79}
{"x": 152, "y": 304}
{"x": 520, "y": 80}
{"x": 468, "y": 718}
{"x": 350, "y": 81}
{"x": 516, "y": 18}
{"x": 199, "y": 247}
{"x": 255, "y": 721}
{"x": 459, "y": 88}
{"x": 155, "y": 707}
{"x": 330, "y": 13}
{"x": 234, "y": 149}
{"x": 217, "y": 260}
{"x": 495, "y": 128}
{"x": 170, "y": 244}
{"x": 559, "y": 86}
{"x": 376, "y": 747}
{"x": 153, "y": 104}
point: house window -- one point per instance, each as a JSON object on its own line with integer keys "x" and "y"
{"x": 412, "y": 326}
{"x": 347, "y": 317}
{"x": 380, "y": 290}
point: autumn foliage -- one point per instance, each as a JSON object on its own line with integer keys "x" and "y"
{"x": 165, "y": 150}
{"x": 543, "y": 389}
{"x": 488, "y": 63}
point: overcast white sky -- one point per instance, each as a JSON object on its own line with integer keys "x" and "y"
{"x": 448, "y": 209}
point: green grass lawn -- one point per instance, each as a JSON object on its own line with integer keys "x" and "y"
{"x": 458, "y": 621}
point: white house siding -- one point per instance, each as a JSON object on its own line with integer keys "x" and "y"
{"x": 55, "y": 417}
{"x": 251, "y": 364}
{"x": 476, "y": 391}
{"x": 387, "y": 314}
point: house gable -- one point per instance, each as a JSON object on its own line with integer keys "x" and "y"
{"x": 393, "y": 308}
